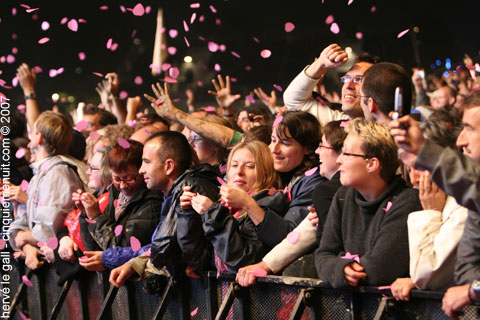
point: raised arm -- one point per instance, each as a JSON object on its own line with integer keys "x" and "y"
{"x": 164, "y": 106}
{"x": 27, "y": 79}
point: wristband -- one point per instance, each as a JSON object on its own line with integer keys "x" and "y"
{"x": 475, "y": 287}
{"x": 31, "y": 96}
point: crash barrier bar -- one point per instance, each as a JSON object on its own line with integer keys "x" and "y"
{"x": 90, "y": 296}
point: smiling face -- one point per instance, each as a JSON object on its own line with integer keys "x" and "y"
{"x": 128, "y": 181}
{"x": 328, "y": 158}
{"x": 93, "y": 172}
{"x": 353, "y": 168}
{"x": 351, "y": 90}
{"x": 287, "y": 153}
{"x": 242, "y": 172}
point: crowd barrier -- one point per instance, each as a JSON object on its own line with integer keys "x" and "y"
{"x": 273, "y": 297}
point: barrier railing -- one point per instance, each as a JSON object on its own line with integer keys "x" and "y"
{"x": 273, "y": 297}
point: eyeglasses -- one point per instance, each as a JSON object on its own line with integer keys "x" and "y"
{"x": 356, "y": 79}
{"x": 92, "y": 169}
{"x": 343, "y": 153}
{"x": 325, "y": 147}
{"x": 126, "y": 180}
{"x": 195, "y": 139}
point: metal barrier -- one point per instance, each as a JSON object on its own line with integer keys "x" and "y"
{"x": 273, "y": 297}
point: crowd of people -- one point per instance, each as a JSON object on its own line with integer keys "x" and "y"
{"x": 368, "y": 190}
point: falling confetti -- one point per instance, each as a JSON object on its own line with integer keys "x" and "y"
{"x": 172, "y": 50}
{"x": 217, "y": 67}
{"x": 82, "y": 56}
{"x": 123, "y": 143}
{"x": 73, "y": 25}
{"x": 43, "y": 40}
{"x": 20, "y": 153}
{"x": 276, "y": 86}
{"x": 138, "y": 10}
{"x": 195, "y": 5}
{"x": 174, "y": 72}
{"x": 250, "y": 99}
{"x": 94, "y": 135}
{"x": 359, "y": 35}
{"x": 289, "y": 27}
{"x": 118, "y": 230}
{"x": 212, "y": 46}
{"x": 193, "y": 17}
{"x": 27, "y": 281}
{"x": 236, "y": 55}
{"x": 138, "y": 80}
{"x": 186, "y": 41}
{"x": 389, "y": 205}
{"x": 329, "y": 19}
{"x": 194, "y": 312}
{"x": 213, "y": 9}
{"x": 135, "y": 244}
{"x": 334, "y": 28}
{"x": 265, "y": 53}
{"x": 185, "y": 26}
{"x": 221, "y": 181}
{"x": 310, "y": 172}
{"x": 173, "y": 33}
{"x": 401, "y": 34}
{"x": 24, "y": 185}
{"x": 45, "y": 25}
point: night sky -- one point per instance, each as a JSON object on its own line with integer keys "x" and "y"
{"x": 444, "y": 31}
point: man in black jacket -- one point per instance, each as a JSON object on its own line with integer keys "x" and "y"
{"x": 166, "y": 166}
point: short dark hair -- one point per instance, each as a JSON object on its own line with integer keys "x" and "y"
{"x": 472, "y": 100}
{"x": 443, "y": 127}
{"x": 259, "y": 133}
{"x": 154, "y": 117}
{"x": 106, "y": 117}
{"x": 119, "y": 158}
{"x": 380, "y": 82}
{"x": 335, "y": 135}
{"x": 367, "y": 57}
{"x": 304, "y": 128}
{"x": 173, "y": 145}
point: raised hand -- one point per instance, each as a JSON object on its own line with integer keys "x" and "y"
{"x": 27, "y": 78}
{"x": 162, "y": 104}
{"x": 113, "y": 83}
{"x": 407, "y": 134}
{"x": 223, "y": 92}
{"x": 269, "y": 101}
{"x": 332, "y": 56}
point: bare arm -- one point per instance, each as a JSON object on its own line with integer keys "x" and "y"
{"x": 164, "y": 106}
{"x": 27, "y": 79}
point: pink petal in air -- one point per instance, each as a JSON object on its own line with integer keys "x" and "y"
{"x": 334, "y": 28}
{"x": 82, "y": 56}
{"x": 217, "y": 67}
{"x": 311, "y": 171}
{"x": 27, "y": 281}
{"x": 32, "y": 10}
{"x": 185, "y": 26}
{"x": 174, "y": 72}
{"x": 81, "y": 125}
{"x": 236, "y": 55}
{"x": 250, "y": 99}
{"x": 73, "y": 25}
{"x": 401, "y": 34}
{"x": 135, "y": 244}
{"x": 277, "y": 121}
{"x": 138, "y": 80}
{"x": 21, "y": 108}
{"x": 186, "y": 41}
{"x": 212, "y": 46}
{"x": 64, "y": 20}
{"x": 52, "y": 243}
{"x": 345, "y": 123}
{"x": 23, "y": 316}
{"x": 194, "y": 312}
{"x": 210, "y": 109}
{"x": 202, "y": 18}
{"x": 223, "y": 169}
{"x": 173, "y": 33}
{"x": 166, "y": 66}
{"x": 123, "y": 143}
{"x": 221, "y": 181}
{"x": 373, "y": 9}
{"x": 132, "y": 123}
{"x": 20, "y": 153}
{"x": 114, "y": 46}
{"x": 103, "y": 8}
{"x": 45, "y": 25}
{"x": 147, "y": 253}
{"x": 265, "y": 53}
{"x": 98, "y": 74}
{"x": 109, "y": 43}
{"x": 329, "y": 19}
{"x": 276, "y": 86}
{"x": 118, "y": 230}
{"x": 138, "y": 10}
{"x": 195, "y": 5}
{"x": 172, "y": 50}
{"x": 384, "y": 287}
{"x": 359, "y": 35}
{"x": 293, "y": 237}
{"x": 289, "y": 27}
{"x": 213, "y": 9}
{"x": 24, "y": 185}
{"x": 193, "y": 17}
{"x": 169, "y": 80}
{"x": 272, "y": 191}
{"x": 349, "y": 2}
{"x": 44, "y": 40}
{"x": 123, "y": 94}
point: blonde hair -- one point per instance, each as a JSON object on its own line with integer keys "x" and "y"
{"x": 266, "y": 175}
{"x": 377, "y": 143}
{"x": 56, "y": 131}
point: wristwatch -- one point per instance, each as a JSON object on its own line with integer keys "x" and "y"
{"x": 474, "y": 292}
{"x": 31, "y": 96}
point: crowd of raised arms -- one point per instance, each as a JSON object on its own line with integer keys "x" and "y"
{"x": 325, "y": 186}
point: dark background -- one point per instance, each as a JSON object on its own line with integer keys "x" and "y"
{"x": 444, "y": 31}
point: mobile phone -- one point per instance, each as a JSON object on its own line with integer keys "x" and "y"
{"x": 398, "y": 106}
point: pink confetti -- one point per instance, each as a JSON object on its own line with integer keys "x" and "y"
{"x": 148, "y": 132}
{"x": 276, "y": 86}
{"x": 222, "y": 47}
{"x": 334, "y": 28}
{"x": 195, "y": 5}
{"x": 202, "y": 18}
{"x": 272, "y": 191}
{"x": 210, "y": 109}
{"x": 265, "y": 53}
{"x": 401, "y": 34}
{"x": 258, "y": 272}
{"x": 384, "y": 287}
{"x": 45, "y": 25}
{"x": 82, "y": 56}
{"x": 349, "y": 256}
{"x": 26, "y": 6}
{"x": 23, "y": 316}
{"x": 344, "y": 124}
{"x": 329, "y": 19}
{"x": 109, "y": 43}
{"x": 10, "y": 59}
{"x": 103, "y": 8}
{"x": 277, "y": 121}
{"x": 98, "y": 74}
{"x": 186, "y": 41}
{"x": 24, "y": 185}
{"x": 3, "y": 243}
{"x": 173, "y": 33}
{"x": 64, "y": 20}
{"x": 250, "y": 99}
{"x": 135, "y": 244}
{"x": 20, "y": 153}
{"x": 14, "y": 11}
{"x": 14, "y": 50}
{"x": 27, "y": 281}
{"x": 44, "y": 40}
{"x": 123, "y": 94}
{"x": 174, "y": 72}
{"x": 81, "y": 125}
{"x": 293, "y": 237}
{"x": 138, "y": 10}
{"x": 134, "y": 32}
{"x": 212, "y": 46}
{"x": 166, "y": 66}
{"x": 185, "y": 26}
{"x": 349, "y": 2}
{"x": 123, "y": 143}
{"x": 114, "y": 46}
{"x": 122, "y": 8}
{"x": 147, "y": 253}
{"x": 148, "y": 9}
{"x": 373, "y": 9}
{"x": 194, "y": 312}
{"x": 218, "y": 22}
{"x": 32, "y": 10}
{"x": 94, "y": 135}
{"x": 310, "y": 172}
{"x": 221, "y": 181}
{"x": 73, "y": 25}
{"x": 21, "y": 108}
{"x": 138, "y": 80}
{"x": 289, "y": 27}
{"x": 213, "y": 9}
{"x": 118, "y": 230}
{"x": 52, "y": 243}
{"x": 200, "y": 83}
{"x": 223, "y": 168}
{"x": 193, "y": 17}
{"x": 90, "y": 220}
{"x": 389, "y": 205}
{"x": 359, "y": 35}
{"x": 236, "y": 55}
{"x": 132, "y": 123}
{"x": 37, "y": 69}
{"x": 41, "y": 244}
{"x": 169, "y": 80}
{"x": 217, "y": 67}
{"x": 40, "y": 203}
{"x": 172, "y": 50}
{"x": 256, "y": 39}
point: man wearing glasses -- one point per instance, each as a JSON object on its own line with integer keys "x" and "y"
{"x": 298, "y": 95}
{"x": 365, "y": 238}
